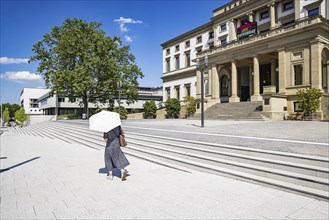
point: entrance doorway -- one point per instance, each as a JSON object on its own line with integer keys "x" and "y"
{"x": 224, "y": 88}
{"x": 265, "y": 76}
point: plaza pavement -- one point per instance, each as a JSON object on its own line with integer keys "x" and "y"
{"x": 51, "y": 179}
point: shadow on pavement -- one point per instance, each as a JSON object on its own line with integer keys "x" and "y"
{"x": 19, "y": 164}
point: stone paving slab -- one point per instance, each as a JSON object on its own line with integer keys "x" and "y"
{"x": 51, "y": 179}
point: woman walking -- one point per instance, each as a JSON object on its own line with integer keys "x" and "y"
{"x": 114, "y": 157}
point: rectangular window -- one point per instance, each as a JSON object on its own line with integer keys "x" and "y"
{"x": 296, "y": 107}
{"x": 168, "y": 92}
{"x": 211, "y": 35}
{"x": 177, "y": 62}
{"x": 168, "y": 65}
{"x": 199, "y": 40}
{"x": 298, "y": 73}
{"x": 61, "y": 99}
{"x": 187, "y": 44}
{"x": 244, "y": 21}
{"x": 264, "y": 15}
{"x": 168, "y": 51}
{"x": 188, "y": 90}
{"x": 313, "y": 12}
{"x": 206, "y": 87}
{"x": 288, "y": 6}
{"x": 188, "y": 60}
{"x": 223, "y": 27}
{"x": 223, "y": 42}
{"x": 177, "y": 92}
{"x": 177, "y": 48}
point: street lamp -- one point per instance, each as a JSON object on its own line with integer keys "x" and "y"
{"x": 202, "y": 68}
{"x": 119, "y": 84}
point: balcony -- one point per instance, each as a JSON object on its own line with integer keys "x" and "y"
{"x": 278, "y": 30}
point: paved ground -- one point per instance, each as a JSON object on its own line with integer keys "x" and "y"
{"x": 51, "y": 179}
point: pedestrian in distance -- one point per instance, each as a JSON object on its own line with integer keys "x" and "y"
{"x": 113, "y": 156}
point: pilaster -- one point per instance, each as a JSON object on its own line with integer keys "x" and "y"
{"x": 234, "y": 82}
{"x": 316, "y": 65}
{"x": 282, "y": 71}
{"x": 297, "y": 9}
{"x": 272, "y": 14}
{"x": 273, "y": 73}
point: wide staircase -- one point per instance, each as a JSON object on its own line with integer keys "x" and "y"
{"x": 235, "y": 111}
{"x": 304, "y": 174}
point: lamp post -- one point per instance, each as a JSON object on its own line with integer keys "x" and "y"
{"x": 202, "y": 68}
{"x": 119, "y": 88}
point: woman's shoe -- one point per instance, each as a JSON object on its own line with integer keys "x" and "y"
{"x": 124, "y": 175}
{"x": 109, "y": 177}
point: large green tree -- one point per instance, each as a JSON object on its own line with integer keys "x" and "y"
{"x": 78, "y": 59}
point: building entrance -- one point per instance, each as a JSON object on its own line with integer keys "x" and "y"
{"x": 265, "y": 76}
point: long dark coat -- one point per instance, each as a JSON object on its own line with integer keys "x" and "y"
{"x": 113, "y": 156}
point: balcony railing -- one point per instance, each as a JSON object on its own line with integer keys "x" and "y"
{"x": 298, "y": 24}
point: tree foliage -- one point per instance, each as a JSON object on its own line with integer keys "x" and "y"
{"x": 123, "y": 112}
{"x": 12, "y": 108}
{"x": 309, "y": 99}
{"x": 190, "y": 103}
{"x": 20, "y": 115}
{"x": 77, "y": 59}
{"x": 5, "y": 115}
{"x": 150, "y": 109}
{"x": 172, "y": 108}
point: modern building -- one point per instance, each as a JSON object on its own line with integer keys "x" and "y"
{"x": 29, "y": 100}
{"x": 60, "y": 105}
{"x": 258, "y": 50}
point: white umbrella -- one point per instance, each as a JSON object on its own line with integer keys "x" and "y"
{"x": 104, "y": 121}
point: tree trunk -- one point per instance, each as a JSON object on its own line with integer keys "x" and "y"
{"x": 85, "y": 104}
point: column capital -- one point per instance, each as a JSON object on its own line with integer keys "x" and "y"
{"x": 250, "y": 13}
{"x": 281, "y": 49}
{"x": 271, "y": 4}
{"x": 255, "y": 55}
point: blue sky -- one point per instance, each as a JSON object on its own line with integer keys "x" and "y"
{"x": 143, "y": 25}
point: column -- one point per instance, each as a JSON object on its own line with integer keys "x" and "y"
{"x": 256, "y": 96}
{"x": 272, "y": 14}
{"x": 251, "y": 82}
{"x": 328, "y": 76}
{"x": 316, "y": 65}
{"x": 273, "y": 73}
{"x": 215, "y": 82}
{"x": 216, "y": 35}
{"x": 234, "y": 83}
{"x": 282, "y": 71}
{"x": 232, "y": 32}
{"x": 210, "y": 81}
{"x": 250, "y": 16}
{"x": 297, "y": 9}
{"x": 198, "y": 83}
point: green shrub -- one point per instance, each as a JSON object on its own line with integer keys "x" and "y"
{"x": 20, "y": 115}
{"x": 150, "y": 110}
{"x": 190, "y": 103}
{"x": 172, "y": 108}
{"x": 123, "y": 112}
{"x": 6, "y": 116}
{"x": 309, "y": 99}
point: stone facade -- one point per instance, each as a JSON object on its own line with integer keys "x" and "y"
{"x": 288, "y": 50}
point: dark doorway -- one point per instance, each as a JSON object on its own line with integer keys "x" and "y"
{"x": 265, "y": 76}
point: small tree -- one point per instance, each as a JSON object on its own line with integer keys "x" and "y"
{"x": 123, "y": 112}
{"x": 172, "y": 108}
{"x": 20, "y": 115}
{"x": 190, "y": 103}
{"x": 309, "y": 99}
{"x": 149, "y": 109}
{"x": 5, "y": 115}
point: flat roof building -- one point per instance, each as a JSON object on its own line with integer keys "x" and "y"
{"x": 257, "y": 51}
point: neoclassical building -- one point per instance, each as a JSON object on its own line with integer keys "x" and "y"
{"x": 257, "y": 50}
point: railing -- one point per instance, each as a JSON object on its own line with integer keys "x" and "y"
{"x": 300, "y": 23}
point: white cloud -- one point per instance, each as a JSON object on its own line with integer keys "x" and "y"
{"x": 128, "y": 38}
{"x": 123, "y": 21}
{"x": 6, "y": 60}
{"x": 20, "y": 76}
